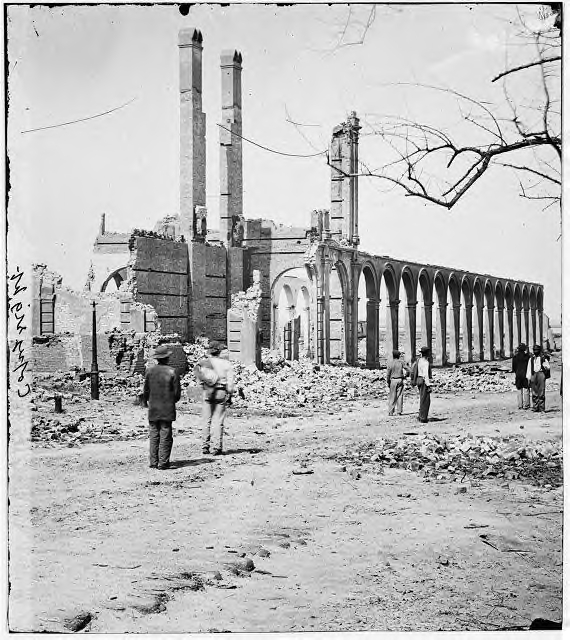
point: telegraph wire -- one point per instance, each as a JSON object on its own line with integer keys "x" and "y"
{"x": 280, "y": 153}
{"x": 64, "y": 124}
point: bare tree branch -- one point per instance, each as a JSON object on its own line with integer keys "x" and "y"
{"x": 526, "y": 66}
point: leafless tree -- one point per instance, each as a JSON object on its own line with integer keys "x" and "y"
{"x": 522, "y": 132}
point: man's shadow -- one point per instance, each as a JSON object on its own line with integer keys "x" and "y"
{"x": 179, "y": 464}
{"x": 252, "y": 450}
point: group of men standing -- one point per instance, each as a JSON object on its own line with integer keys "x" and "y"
{"x": 162, "y": 392}
{"x": 531, "y": 373}
{"x": 420, "y": 375}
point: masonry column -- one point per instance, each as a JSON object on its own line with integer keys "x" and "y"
{"x": 350, "y": 302}
{"x": 533, "y": 324}
{"x": 392, "y": 336}
{"x": 500, "y": 331}
{"x": 411, "y": 330}
{"x": 454, "y": 351}
{"x": 468, "y": 332}
{"x": 372, "y": 333}
{"x": 192, "y": 131}
{"x": 510, "y": 336}
{"x": 478, "y": 344}
{"x": 490, "y": 332}
{"x": 231, "y": 166}
{"x": 540, "y": 326}
{"x": 519, "y": 333}
{"x": 526, "y": 328}
{"x": 441, "y": 334}
{"x": 426, "y": 327}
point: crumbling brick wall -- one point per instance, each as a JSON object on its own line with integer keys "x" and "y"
{"x": 159, "y": 269}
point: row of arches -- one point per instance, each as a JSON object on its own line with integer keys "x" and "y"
{"x": 379, "y": 304}
{"x": 461, "y": 317}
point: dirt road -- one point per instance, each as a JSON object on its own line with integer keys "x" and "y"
{"x": 93, "y": 529}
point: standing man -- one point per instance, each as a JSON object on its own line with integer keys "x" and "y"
{"x": 520, "y": 365}
{"x": 424, "y": 382}
{"x": 395, "y": 374}
{"x": 161, "y": 392}
{"x": 217, "y": 377}
{"x": 538, "y": 370}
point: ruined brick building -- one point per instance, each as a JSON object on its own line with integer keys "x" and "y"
{"x": 309, "y": 276}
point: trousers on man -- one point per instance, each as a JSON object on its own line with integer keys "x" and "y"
{"x": 396, "y": 397}
{"x": 213, "y": 416}
{"x": 523, "y": 398}
{"x": 538, "y": 388}
{"x": 425, "y": 400}
{"x": 160, "y": 432}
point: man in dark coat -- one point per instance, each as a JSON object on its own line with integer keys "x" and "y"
{"x": 520, "y": 364}
{"x": 161, "y": 392}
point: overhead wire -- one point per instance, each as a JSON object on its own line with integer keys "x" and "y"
{"x": 280, "y": 153}
{"x": 64, "y": 124}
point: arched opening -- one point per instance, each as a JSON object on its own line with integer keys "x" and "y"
{"x": 532, "y": 301}
{"x": 368, "y": 318}
{"x": 388, "y": 311}
{"x": 518, "y": 325}
{"x": 509, "y": 333}
{"x": 425, "y": 332}
{"x": 290, "y": 314}
{"x": 466, "y": 320}
{"x": 454, "y": 306}
{"x": 540, "y": 314}
{"x": 410, "y": 313}
{"x": 525, "y": 310}
{"x": 499, "y": 320}
{"x": 337, "y": 310}
{"x": 478, "y": 323}
{"x": 489, "y": 321}
{"x": 303, "y": 310}
{"x": 114, "y": 280}
{"x": 441, "y": 356}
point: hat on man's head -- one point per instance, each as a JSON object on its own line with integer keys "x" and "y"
{"x": 522, "y": 346}
{"x": 424, "y": 351}
{"x": 395, "y": 353}
{"x": 161, "y": 352}
{"x": 537, "y": 348}
{"x": 215, "y": 347}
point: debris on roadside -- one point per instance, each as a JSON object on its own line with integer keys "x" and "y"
{"x": 454, "y": 457}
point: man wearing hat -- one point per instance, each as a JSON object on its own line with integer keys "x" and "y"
{"x": 161, "y": 392}
{"x": 395, "y": 374}
{"x": 520, "y": 364}
{"x": 538, "y": 369}
{"x": 218, "y": 390}
{"x": 424, "y": 382}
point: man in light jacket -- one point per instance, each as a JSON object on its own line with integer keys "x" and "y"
{"x": 216, "y": 397}
{"x": 424, "y": 382}
{"x": 395, "y": 374}
{"x": 537, "y": 370}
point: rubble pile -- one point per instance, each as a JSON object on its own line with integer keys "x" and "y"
{"x": 72, "y": 431}
{"x": 454, "y": 457}
{"x": 483, "y": 378}
{"x": 291, "y": 387}
{"x": 297, "y": 386}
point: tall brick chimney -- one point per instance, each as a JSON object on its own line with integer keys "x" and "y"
{"x": 192, "y": 134}
{"x": 231, "y": 176}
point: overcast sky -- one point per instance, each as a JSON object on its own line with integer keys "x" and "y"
{"x": 71, "y": 62}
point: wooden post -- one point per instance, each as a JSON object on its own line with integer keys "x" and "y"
{"x": 94, "y": 365}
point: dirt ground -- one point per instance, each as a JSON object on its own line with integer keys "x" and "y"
{"x": 93, "y": 529}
